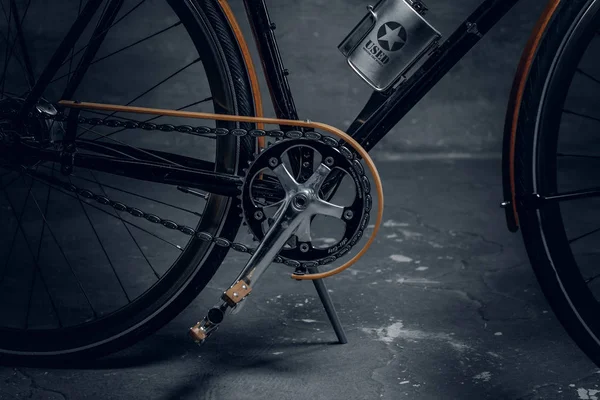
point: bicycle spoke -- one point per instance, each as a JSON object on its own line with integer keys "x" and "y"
{"x": 589, "y": 280}
{"x": 584, "y": 235}
{"x": 159, "y": 83}
{"x": 6, "y": 174}
{"x": 101, "y": 136}
{"x": 6, "y": 52}
{"x": 107, "y": 17}
{"x": 50, "y": 230}
{"x": 113, "y": 149}
{"x": 46, "y": 292}
{"x": 39, "y": 250}
{"x": 158, "y": 116}
{"x": 104, "y": 31}
{"x": 582, "y": 72}
{"x": 107, "y": 149}
{"x": 14, "y": 236}
{"x": 138, "y": 195}
{"x": 21, "y": 38}
{"x": 102, "y": 245}
{"x": 137, "y": 42}
{"x": 107, "y": 213}
{"x": 5, "y": 13}
{"x": 120, "y": 50}
{"x": 72, "y": 48}
{"x": 118, "y": 214}
{"x": 16, "y": 57}
{"x": 576, "y": 155}
{"x": 581, "y": 115}
{"x": 29, "y": 298}
{"x": 186, "y": 107}
{"x": 59, "y": 55}
{"x": 36, "y": 264}
{"x": 12, "y": 181}
{"x": 567, "y": 196}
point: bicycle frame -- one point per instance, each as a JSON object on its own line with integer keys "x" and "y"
{"x": 380, "y": 114}
{"x": 384, "y": 110}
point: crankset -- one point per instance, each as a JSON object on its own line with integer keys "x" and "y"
{"x": 260, "y": 213}
{"x": 282, "y": 222}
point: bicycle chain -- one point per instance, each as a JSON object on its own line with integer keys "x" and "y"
{"x": 136, "y": 212}
{"x": 202, "y": 131}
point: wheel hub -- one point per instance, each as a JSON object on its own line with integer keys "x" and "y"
{"x": 38, "y": 128}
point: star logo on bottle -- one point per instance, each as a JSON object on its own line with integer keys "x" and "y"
{"x": 391, "y": 36}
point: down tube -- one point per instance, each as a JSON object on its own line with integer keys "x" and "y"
{"x": 381, "y": 112}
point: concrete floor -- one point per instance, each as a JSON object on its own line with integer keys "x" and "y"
{"x": 444, "y": 305}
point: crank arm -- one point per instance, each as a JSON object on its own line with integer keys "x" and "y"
{"x": 300, "y": 203}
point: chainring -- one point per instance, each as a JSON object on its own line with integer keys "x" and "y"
{"x": 299, "y": 250}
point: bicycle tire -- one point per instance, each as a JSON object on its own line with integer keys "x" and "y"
{"x": 561, "y": 48}
{"x": 215, "y": 41}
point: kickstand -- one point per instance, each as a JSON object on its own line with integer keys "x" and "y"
{"x": 329, "y": 308}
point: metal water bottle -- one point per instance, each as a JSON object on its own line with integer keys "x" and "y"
{"x": 389, "y": 41}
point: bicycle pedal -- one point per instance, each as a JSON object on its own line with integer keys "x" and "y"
{"x": 209, "y": 324}
{"x": 198, "y": 334}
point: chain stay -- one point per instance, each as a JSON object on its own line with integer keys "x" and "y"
{"x": 202, "y": 131}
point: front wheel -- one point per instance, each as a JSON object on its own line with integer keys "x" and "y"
{"x": 557, "y": 167}
{"x": 79, "y": 278}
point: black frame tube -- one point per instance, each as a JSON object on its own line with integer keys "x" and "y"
{"x": 275, "y": 73}
{"x": 107, "y": 19}
{"x": 388, "y": 114}
{"x": 210, "y": 181}
{"x": 383, "y": 111}
{"x": 59, "y": 56}
{"x": 276, "y": 76}
{"x": 22, "y": 44}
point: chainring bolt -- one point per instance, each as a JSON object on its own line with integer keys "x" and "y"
{"x": 273, "y": 162}
{"x": 329, "y": 161}
{"x": 258, "y": 215}
{"x": 348, "y": 214}
{"x": 304, "y": 247}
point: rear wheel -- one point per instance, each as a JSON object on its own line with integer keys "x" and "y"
{"x": 80, "y": 278}
{"x": 558, "y": 161}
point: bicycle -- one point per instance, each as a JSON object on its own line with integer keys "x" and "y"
{"x": 50, "y": 146}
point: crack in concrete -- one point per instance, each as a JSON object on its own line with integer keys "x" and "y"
{"x": 483, "y": 281}
{"x": 536, "y": 388}
{"x": 479, "y": 303}
{"x": 591, "y": 374}
{"x": 483, "y": 239}
{"x": 419, "y": 220}
{"x": 520, "y": 264}
{"x": 33, "y": 385}
{"x": 395, "y": 354}
{"x": 533, "y": 392}
{"x": 380, "y": 382}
